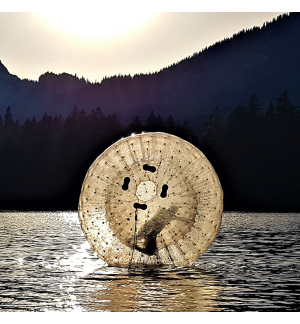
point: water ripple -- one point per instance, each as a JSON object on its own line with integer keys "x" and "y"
{"x": 46, "y": 264}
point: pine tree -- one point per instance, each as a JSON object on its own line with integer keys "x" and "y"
{"x": 151, "y": 122}
{"x": 270, "y": 121}
{"x": 214, "y": 125}
{"x": 8, "y": 119}
{"x": 284, "y": 108}
{"x": 159, "y": 124}
{"x": 135, "y": 126}
{"x": 253, "y": 107}
{"x": 170, "y": 125}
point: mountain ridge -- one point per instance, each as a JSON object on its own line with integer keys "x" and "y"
{"x": 262, "y": 60}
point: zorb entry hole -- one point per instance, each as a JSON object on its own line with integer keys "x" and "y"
{"x": 164, "y": 191}
{"x": 126, "y": 183}
{"x": 150, "y": 168}
{"x": 140, "y": 206}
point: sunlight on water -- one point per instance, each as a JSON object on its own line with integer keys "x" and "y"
{"x": 46, "y": 264}
{"x": 80, "y": 261}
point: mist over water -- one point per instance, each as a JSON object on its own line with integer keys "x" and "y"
{"x": 46, "y": 264}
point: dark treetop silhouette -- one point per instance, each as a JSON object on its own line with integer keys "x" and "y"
{"x": 255, "y": 152}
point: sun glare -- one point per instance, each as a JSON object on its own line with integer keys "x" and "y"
{"x": 96, "y": 24}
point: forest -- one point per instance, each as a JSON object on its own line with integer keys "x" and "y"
{"x": 255, "y": 151}
{"x": 43, "y": 163}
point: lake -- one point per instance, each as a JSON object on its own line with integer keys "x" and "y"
{"x": 46, "y": 264}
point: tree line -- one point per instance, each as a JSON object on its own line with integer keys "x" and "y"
{"x": 256, "y": 153}
{"x": 43, "y": 163}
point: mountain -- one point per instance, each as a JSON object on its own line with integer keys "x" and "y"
{"x": 262, "y": 61}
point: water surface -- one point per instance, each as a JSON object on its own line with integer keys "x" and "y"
{"x": 46, "y": 264}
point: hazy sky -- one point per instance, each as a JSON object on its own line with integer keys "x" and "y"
{"x": 99, "y": 43}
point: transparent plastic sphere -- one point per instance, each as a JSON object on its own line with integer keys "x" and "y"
{"x": 151, "y": 199}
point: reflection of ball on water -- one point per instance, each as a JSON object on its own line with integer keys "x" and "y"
{"x": 151, "y": 199}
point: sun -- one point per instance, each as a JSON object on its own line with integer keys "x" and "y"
{"x": 103, "y": 24}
